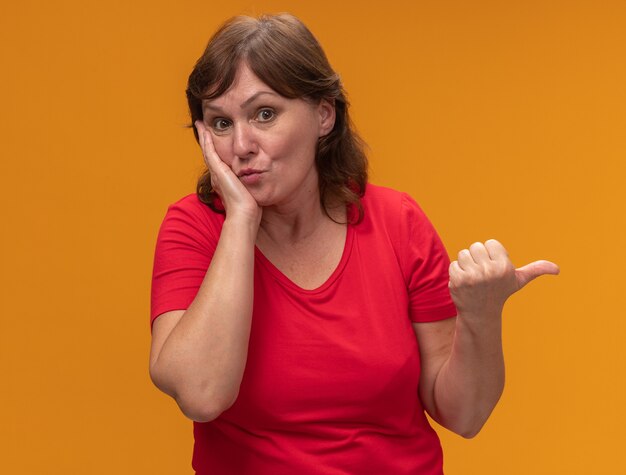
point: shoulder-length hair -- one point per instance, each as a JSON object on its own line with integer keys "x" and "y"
{"x": 284, "y": 54}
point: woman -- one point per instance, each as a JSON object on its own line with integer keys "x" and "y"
{"x": 306, "y": 319}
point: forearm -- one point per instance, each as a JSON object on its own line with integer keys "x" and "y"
{"x": 471, "y": 381}
{"x": 202, "y": 361}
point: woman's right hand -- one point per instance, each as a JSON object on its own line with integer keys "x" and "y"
{"x": 236, "y": 198}
{"x": 198, "y": 355}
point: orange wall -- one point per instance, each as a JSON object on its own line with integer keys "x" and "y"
{"x": 503, "y": 119}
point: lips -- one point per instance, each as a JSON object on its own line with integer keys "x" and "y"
{"x": 250, "y": 176}
{"x": 248, "y": 171}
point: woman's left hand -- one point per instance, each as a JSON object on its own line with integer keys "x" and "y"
{"x": 483, "y": 278}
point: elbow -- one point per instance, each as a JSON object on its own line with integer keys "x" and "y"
{"x": 199, "y": 402}
{"x": 198, "y": 413}
{"x": 469, "y": 432}
{"x": 202, "y": 409}
{"x": 470, "y": 426}
{"x": 472, "y": 422}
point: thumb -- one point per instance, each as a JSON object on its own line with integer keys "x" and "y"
{"x": 533, "y": 270}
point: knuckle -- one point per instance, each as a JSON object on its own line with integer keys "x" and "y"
{"x": 476, "y": 245}
{"x": 502, "y": 267}
{"x": 469, "y": 279}
{"x": 491, "y": 273}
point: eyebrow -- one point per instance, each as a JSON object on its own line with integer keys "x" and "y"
{"x": 244, "y": 103}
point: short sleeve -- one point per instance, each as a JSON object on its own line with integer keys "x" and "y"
{"x": 185, "y": 245}
{"x": 425, "y": 266}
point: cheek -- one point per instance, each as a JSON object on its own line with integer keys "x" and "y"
{"x": 223, "y": 148}
{"x": 289, "y": 143}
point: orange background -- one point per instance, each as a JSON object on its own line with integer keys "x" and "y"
{"x": 503, "y": 119}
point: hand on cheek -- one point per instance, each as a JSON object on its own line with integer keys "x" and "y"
{"x": 236, "y": 198}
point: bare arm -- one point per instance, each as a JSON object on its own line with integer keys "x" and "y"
{"x": 462, "y": 359}
{"x": 198, "y": 356}
{"x": 462, "y": 373}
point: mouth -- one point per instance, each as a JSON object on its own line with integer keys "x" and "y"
{"x": 250, "y": 176}
{"x": 248, "y": 172}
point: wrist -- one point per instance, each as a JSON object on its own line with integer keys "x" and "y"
{"x": 242, "y": 225}
{"x": 480, "y": 322}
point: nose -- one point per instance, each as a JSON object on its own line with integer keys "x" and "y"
{"x": 244, "y": 142}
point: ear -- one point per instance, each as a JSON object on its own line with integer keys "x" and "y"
{"x": 326, "y": 110}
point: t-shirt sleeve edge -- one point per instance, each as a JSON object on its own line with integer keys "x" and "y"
{"x": 162, "y": 311}
{"x": 433, "y": 315}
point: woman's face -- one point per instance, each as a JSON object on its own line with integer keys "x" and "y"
{"x": 267, "y": 140}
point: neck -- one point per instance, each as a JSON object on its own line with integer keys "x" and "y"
{"x": 293, "y": 223}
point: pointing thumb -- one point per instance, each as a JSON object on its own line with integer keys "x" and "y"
{"x": 533, "y": 270}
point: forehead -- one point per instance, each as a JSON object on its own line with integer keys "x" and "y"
{"x": 245, "y": 85}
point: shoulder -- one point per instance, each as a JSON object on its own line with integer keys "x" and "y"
{"x": 190, "y": 204}
{"x": 381, "y": 194}
{"x": 399, "y": 216}
{"x": 376, "y": 196}
{"x": 191, "y": 216}
{"x": 389, "y": 205}
{"x": 380, "y": 202}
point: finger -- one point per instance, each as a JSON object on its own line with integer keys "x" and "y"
{"x": 465, "y": 259}
{"x": 533, "y": 270}
{"x": 211, "y": 158}
{"x": 496, "y": 250}
{"x": 201, "y": 140}
{"x": 199, "y": 127}
{"x": 479, "y": 253}
{"x": 454, "y": 268}
{"x": 453, "y": 272}
{"x": 208, "y": 152}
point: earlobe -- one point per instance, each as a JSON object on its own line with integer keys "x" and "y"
{"x": 327, "y": 117}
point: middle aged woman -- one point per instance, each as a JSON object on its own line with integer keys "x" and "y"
{"x": 303, "y": 319}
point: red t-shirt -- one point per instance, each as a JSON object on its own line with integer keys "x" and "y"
{"x": 331, "y": 382}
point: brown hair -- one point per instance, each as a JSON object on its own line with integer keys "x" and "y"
{"x": 284, "y": 54}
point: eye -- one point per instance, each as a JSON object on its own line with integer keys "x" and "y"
{"x": 265, "y": 115}
{"x": 220, "y": 124}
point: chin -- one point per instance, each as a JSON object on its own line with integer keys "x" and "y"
{"x": 262, "y": 199}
